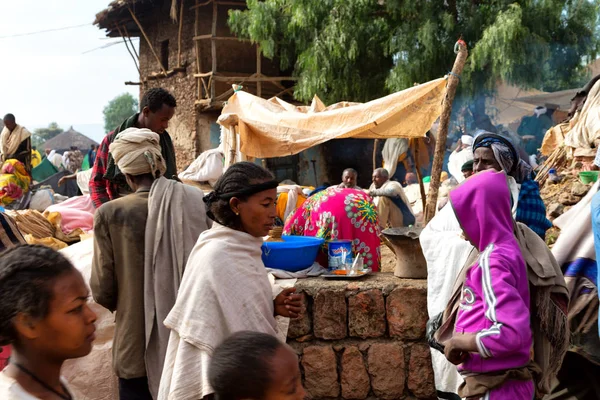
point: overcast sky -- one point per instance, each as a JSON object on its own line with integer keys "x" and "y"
{"x": 46, "y": 77}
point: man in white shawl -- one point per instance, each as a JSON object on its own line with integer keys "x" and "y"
{"x": 225, "y": 286}
{"x": 460, "y": 156}
{"x": 15, "y": 142}
{"x": 142, "y": 243}
{"x": 393, "y": 207}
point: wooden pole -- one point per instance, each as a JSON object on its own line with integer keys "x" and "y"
{"x": 199, "y": 81}
{"x": 440, "y": 145}
{"x": 130, "y": 42}
{"x": 130, "y": 53}
{"x": 180, "y": 32}
{"x": 233, "y": 150}
{"x": 415, "y": 145}
{"x": 213, "y": 47}
{"x": 258, "y": 71}
{"x": 137, "y": 22}
{"x": 375, "y": 145}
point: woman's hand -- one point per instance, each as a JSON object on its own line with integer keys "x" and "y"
{"x": 288, "y": 304}
{"x": 458, "y": 348}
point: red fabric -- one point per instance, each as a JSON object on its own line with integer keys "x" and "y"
{"x": 336, "y": 214}
{"x": 4, "y": 356}
{"x": 101, "y": 190}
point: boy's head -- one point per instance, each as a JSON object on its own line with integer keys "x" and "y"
{"x": 257, "y": 366}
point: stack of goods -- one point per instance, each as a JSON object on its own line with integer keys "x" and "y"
{"x": 45, "y": 230}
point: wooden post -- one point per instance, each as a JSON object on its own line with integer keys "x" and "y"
{"x": 233, "y": 151}
{"x": 130, "y": 53}
{"x": 440, "y": 145}
{"x": 179, "y": 37}
{"x": 199, "y": 81}
{"x": 147, "y": 40}
{"x": 375, "y": 145}
{"x": 213, "y": 47}
{"x": 415, "y": 145}
{"x": 130, "y": 42}
{"x": 258, "y": 71}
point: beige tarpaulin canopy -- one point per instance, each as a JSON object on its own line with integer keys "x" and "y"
{"x": 275, "y": 128}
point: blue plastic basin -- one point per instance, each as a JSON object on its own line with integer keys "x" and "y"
{"x": 294, "y": 254}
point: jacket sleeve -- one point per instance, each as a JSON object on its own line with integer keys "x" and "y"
{"x": 505, "y": 308}
{"x": 98, "y": 185}
{"x": 103, "y": 281}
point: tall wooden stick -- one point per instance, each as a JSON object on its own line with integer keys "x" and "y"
{"x": 375, "y": 145}
{"x": 130, "y": 42}
{"x": 258, "y": 71}
{"x": 440, "y": 145}
{"x": 130, "y": 53}
{"x": 137, "y": 22}
{"x": 415, "y": 145}
{"x": 179, "y": 37}
{"x": 233, "y": 151}
{"x": 213, "y": 47}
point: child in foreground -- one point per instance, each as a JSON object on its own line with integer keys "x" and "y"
{"x": 492, "y": 338}
{"x": 255, "y": 366}
{"x": 44, "y": 315}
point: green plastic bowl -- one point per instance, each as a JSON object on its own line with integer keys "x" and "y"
{"x": 588, "y": 176}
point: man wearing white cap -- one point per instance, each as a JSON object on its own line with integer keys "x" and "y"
{"x": 142, "y": 242}
{"x": 462, "y": 154}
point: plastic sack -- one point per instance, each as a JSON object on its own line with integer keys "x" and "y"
{"x": 42, "y": 199}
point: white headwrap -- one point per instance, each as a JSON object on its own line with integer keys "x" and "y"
{"x": 137, "y": 152}
{"x": 466, "y": 139}
{"x": 539, "y": 111}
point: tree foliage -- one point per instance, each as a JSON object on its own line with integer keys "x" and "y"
{"x": 118, "y": 110}
{"x": 41, "y": 135}
{"x": 362, "y": 49}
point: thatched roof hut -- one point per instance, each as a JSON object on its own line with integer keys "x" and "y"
{"x": 65, "y": 140}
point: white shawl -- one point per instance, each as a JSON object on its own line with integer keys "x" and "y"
{"x": 10, "y": 141}
{"x": 171, "y": 233}
{"x": 225, "y": 289}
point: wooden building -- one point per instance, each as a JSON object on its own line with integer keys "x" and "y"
{"x": 187, "y": 48}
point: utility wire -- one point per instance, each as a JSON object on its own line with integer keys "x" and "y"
{"x": 44, "y": 31}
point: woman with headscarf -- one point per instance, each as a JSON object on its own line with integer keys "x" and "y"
{"x": 225, "y": 288}
{"x": 492, "y": 151}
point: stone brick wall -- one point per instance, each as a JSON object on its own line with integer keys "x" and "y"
{"x": 364, "y": 339}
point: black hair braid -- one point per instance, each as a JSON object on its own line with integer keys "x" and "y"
{"x": 240, "y": 367}
{"x": 155, "y": 98}
{"x": 237, "y": 178}
{"x": 27, "y": 274}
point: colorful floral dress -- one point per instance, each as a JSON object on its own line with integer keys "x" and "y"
{"x": 339, "y": 214}
{"x": 14, "y": 181}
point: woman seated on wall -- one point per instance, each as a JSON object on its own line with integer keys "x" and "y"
{"x": 340, "y": 214}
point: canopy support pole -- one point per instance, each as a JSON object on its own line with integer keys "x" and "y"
{"x": 415, "y": 145}
{"x": 375, "y": 145}
{"x": 440, "y": 145}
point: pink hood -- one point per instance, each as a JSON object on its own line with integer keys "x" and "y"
{"x": 482, "y": 205}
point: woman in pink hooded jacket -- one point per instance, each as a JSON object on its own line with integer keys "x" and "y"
{"x": 492, "y": 332}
